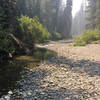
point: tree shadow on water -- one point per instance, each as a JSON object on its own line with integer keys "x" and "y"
{"x": 34, "y": 80}
{"x": 10, "y": 72}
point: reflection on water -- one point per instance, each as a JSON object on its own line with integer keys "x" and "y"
{"x": 11, "y": 72}
{"x": 43, "y": 54}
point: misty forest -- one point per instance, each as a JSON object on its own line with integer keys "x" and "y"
{"x": 49, "y": 50}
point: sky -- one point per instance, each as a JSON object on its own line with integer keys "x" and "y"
{"x": 76, "y": 6}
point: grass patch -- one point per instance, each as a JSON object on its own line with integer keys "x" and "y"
{"x": 89, "y": 36}
{"x": 80, "y": 44}
{"x": 96, "y": 42}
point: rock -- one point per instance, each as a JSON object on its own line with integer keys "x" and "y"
{"x": 2, "y": 99}
{"x": 24, "y": 94}
{"x": 7, "y": 97}
{"x": 60, "y": 78}
{"x": 10, "y": 92}
{"x": 29, "y": 93}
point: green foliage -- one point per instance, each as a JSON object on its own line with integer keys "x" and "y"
{"x": 7, "y": 24}
{"x": 50, "y": 13}
{"x": 8, "y": 13}
{"x": 87, "y": 37}
{"x": 80, "y": 44}
{"x": 96, "y": 42}
{"x": 93, "y": 14}
{"x": 5, "y": 43}
{"x": 32, "y": 30}
{"x": 56, "y": 36}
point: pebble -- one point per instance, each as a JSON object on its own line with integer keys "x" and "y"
{"x": 29, "y": 93}
{"x": 59, "y": 79}
{"x": 7, "y": 97}
{"x": 10, "y": 92}
{"x": 2, "y": 99}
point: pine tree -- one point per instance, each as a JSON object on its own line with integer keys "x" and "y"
{"x": 79, "y": 21}
{"x": 8, "y": 15}
{"x": 67, "y": 19}
{"x": 94, "y": 14}
{"x": 97, "y": 20}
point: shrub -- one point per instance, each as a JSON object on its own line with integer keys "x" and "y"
{"x": 89, "y": 36}
{"x": 56, "y": 36}
{"x": 96, "y": 42}
{"x": 32, "y": 30}
{"x": 80, "y": 44}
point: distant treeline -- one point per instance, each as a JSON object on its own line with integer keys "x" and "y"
{"x": 90, "y": 21}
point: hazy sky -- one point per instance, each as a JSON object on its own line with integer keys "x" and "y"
{"x": 76, "y": 6}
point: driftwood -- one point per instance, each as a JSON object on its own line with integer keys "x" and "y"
{"x": 20, "y": 46}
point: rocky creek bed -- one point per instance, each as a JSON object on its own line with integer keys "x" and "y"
{"x": 72, "y": 75}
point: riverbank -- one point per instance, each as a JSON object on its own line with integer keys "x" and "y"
{"x": 72, "y": 75}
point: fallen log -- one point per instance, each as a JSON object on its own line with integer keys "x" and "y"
{"x": 20, "y": 46}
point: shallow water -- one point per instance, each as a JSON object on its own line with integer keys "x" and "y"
{"x": 10, "y": 72}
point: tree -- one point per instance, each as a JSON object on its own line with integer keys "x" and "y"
{"x": 8, "y": 24}
{"x": 32, "y": 30}
{"x": 66, "y": 20}
{"x": 79, "y": 21}
{"x": 8, "y": 15}
{"x": 68, "y": 17}
{"x": 97, "y": 20}
{"x": 91, "y": 14}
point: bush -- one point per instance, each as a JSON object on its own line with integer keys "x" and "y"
{"x": 96, "y": 42}
{"x": 32, "y": 30}
{"x": 56, "y": 36}
{"x": 80, "y": 44}
{"x": 89, "y": 36}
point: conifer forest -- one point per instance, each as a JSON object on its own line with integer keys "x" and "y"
{"x": 49, "y": 49}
